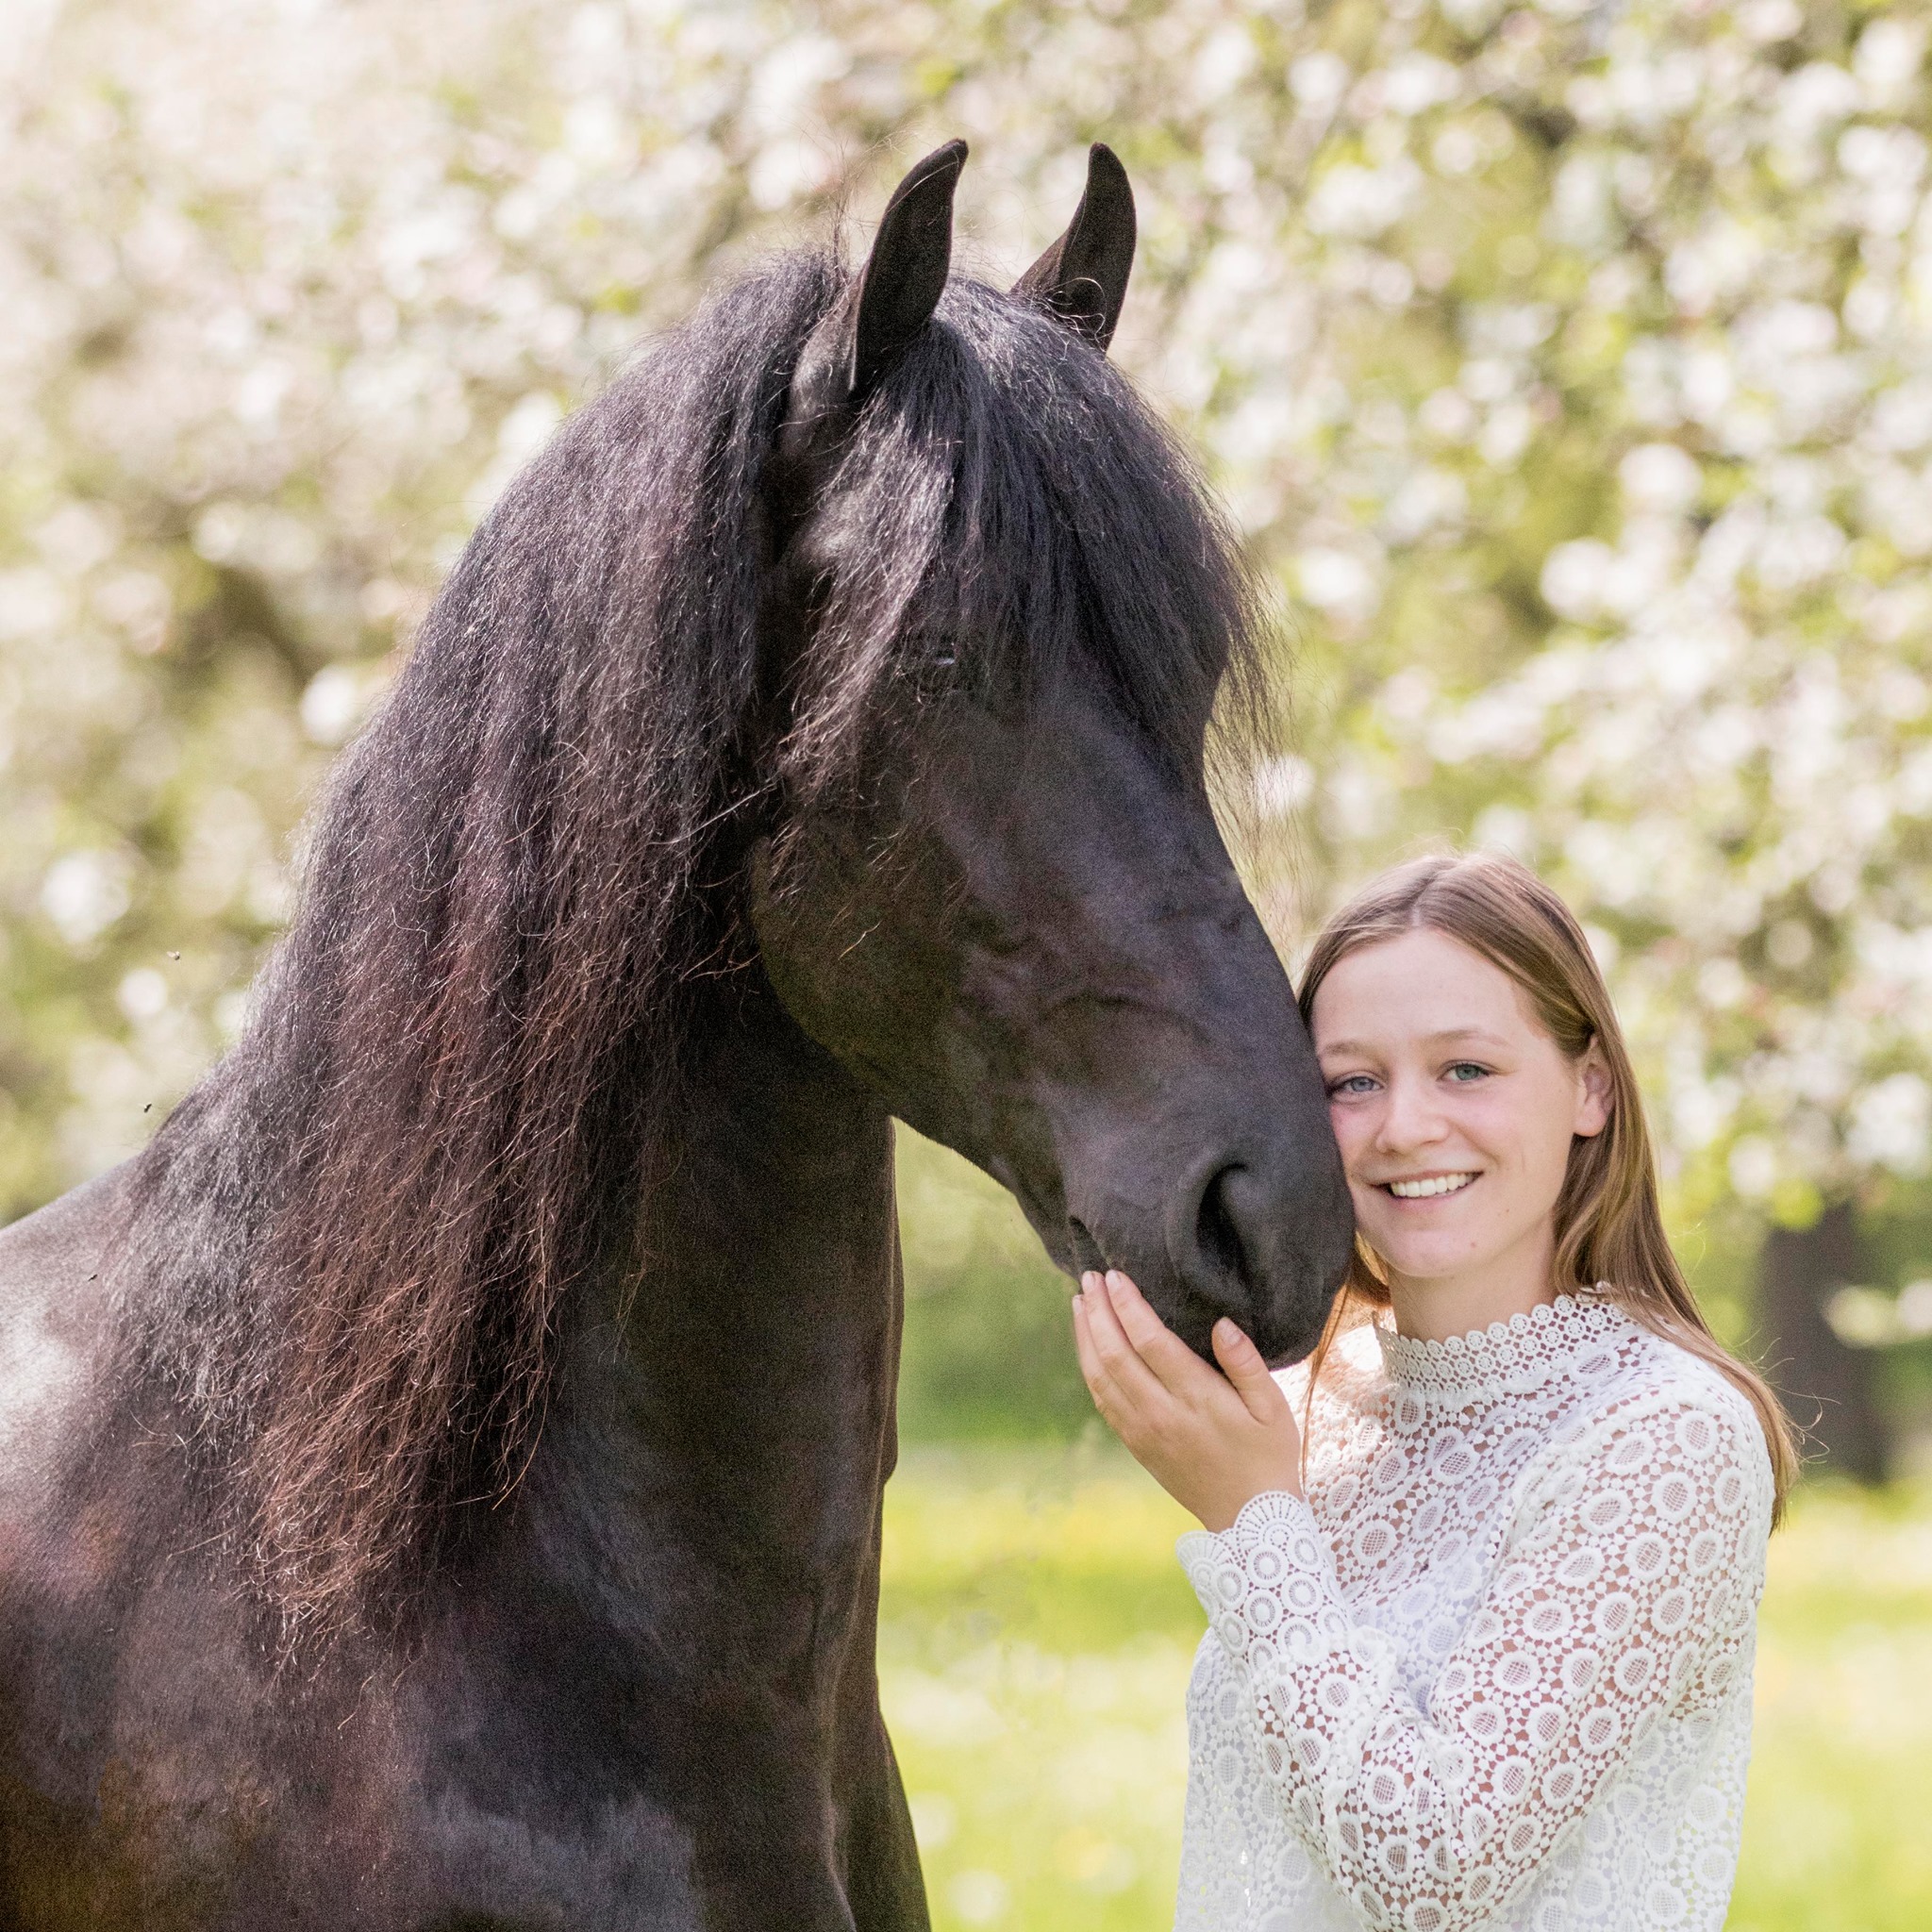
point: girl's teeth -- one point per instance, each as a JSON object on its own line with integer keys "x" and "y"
{"x": 1439, "y": 1184}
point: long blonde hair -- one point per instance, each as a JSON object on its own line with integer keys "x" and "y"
{"x": 1609, "y": 1227}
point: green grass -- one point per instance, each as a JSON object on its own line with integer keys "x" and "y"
{"x": 1035, "y": 1647}
{"x": 1837, "y": 1826}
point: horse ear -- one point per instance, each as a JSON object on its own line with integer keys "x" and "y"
{"x": 1082, "y": 277}
{"x": 900, "y": 286}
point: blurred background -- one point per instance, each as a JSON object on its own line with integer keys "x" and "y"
{"x": 1568, "y": 365}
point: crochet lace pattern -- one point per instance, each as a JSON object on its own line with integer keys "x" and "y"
{"x": 1496, "y": 1670}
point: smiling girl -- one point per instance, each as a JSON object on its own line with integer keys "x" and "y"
{"x": 1482, "y": 1576}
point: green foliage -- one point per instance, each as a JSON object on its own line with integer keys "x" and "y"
{"x": 988, "y": 1349}
{"x": 1036, "y": 1642}
{"x": 1033, "y": 1646}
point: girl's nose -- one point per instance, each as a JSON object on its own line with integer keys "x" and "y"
{"x": 1410, "y": 1118}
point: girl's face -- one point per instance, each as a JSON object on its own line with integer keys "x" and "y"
{"x": 1455, "y": 1109}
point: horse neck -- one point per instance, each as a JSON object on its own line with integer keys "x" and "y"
{"x": 738, "y": 1400}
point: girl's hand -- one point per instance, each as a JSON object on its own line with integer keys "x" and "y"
{"x": 1210, "y": 1442}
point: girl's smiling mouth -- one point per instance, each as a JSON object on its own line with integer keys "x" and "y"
{"x": 1426, "y": 1187}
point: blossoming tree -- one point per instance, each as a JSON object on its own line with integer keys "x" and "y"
{"x": 1567, "y": 363}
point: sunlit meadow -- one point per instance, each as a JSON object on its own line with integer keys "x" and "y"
{"x": 1035, "y": 1648}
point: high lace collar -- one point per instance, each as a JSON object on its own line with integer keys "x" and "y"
{"x": 1506, "y": 1357}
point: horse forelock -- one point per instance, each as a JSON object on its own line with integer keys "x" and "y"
{"x": 1022, "y": 502}
{"x": 347, "y": 1252}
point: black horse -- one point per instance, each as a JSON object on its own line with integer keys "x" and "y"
{"x": 441, "y": 1475}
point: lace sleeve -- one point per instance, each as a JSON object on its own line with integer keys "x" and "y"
{"x": 1627, "y": 1586}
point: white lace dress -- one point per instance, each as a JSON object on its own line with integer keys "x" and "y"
{"x": 1496, "y": 1670}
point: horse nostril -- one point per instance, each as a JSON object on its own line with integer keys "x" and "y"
{"x": 1216, "y": 1235}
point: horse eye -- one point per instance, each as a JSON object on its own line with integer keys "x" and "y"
{"x": 933, "y": 660}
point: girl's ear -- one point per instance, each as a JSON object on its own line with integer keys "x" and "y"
{"x": 1592, "y": 1092}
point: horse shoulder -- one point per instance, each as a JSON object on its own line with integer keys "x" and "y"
{"x": 55, "y": 1336}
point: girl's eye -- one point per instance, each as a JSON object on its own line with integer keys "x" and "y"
{"x": 1352, "y": 1083}
{"x": 1463, "y": 1072}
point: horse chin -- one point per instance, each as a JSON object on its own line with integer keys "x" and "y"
{"x": 1294, "y": 1345}
{"x": 1192, "y": 1319}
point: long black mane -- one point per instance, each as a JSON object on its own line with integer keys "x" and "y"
{"x": 349, "y": 1248}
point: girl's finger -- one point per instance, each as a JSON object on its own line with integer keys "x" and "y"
{"x": 1135, "y": 1382}
{"x": 1115, "y": 1408}
{"x": 1093, "y": 1370}
{"x": 1083, "y": 1346}
{"x": 1174, "y": 1365}
{"x": 1242, "y": 1361}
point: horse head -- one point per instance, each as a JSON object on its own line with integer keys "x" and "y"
{"x": 1006, "y": 903}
